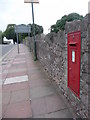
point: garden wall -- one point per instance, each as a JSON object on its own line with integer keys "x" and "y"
{"x": 52, "y": 53}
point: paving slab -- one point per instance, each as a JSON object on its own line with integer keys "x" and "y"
{"x": 41, "y": 91}
{"x": 19, "y": 110}
{"x": 19, "y": 86}
{"x": 47, "y": 105}
{"x": 15, "y": 87}
{"x": 39, "y": 75}
{"x": 4, "y": 108}
{"x": 19, "y": 65}
{"x": 6, "y": 88}
{"x": 38, "y": 83}
{"x": 16, "y": 62}
{"x": 54, "y": 103}
{"x": 19, "y": 95}
{"x": 39, "y": 106}
{"x": 19, "y": 59}
{"x": 16, "y": 69}
{"x": 14, "y": 74}
{"x": 32, "y": 71}
{"x": 6, "y": 96}
{"x": 3, "y": 76}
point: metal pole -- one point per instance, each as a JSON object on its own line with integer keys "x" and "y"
{"x": 35, "y": 50}
{"x": 17, "y": 43}
{"x": 29, "y": 40}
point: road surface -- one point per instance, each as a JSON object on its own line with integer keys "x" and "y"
{"x": 4, "y": 49}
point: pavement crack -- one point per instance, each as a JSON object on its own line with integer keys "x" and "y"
{"x": 58, "y": 110}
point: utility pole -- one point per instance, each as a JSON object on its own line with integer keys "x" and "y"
{"x": 35, "y": 49}
{"x": 32, "y": 2}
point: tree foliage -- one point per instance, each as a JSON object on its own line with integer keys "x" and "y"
{"x": 60, "y": 24}
{"x": 10, "y": 32}
{"x": 1, "y": 40}
{"x": 38, "y": 29}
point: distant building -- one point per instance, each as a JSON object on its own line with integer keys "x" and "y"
{"x": 6, "y": 41}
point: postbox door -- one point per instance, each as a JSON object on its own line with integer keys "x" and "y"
{"x": 74, "y": 62}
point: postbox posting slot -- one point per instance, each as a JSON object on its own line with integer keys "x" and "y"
{"x": 73, "y": 43}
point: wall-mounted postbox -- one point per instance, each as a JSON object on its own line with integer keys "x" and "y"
{"x": 74, "y": 43}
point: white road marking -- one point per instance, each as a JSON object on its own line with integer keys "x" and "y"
{"x": 16, "y": 79}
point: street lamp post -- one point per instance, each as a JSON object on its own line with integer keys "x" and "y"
{"x": 35, "y": 49}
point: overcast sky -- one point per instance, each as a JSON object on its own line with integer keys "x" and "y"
{"x": 46, "y": 13}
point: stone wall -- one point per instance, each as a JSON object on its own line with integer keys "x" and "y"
{"x": 89, "y": 64}
{"x": 81, "y": 104}
{"x": 52, "y": 53}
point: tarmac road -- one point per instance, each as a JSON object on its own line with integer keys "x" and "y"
{"x": 4, "y": 49}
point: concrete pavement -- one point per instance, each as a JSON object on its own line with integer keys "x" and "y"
{"x": 26, "y": 91}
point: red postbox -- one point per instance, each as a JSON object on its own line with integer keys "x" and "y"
{"x": 74, "y": 52}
